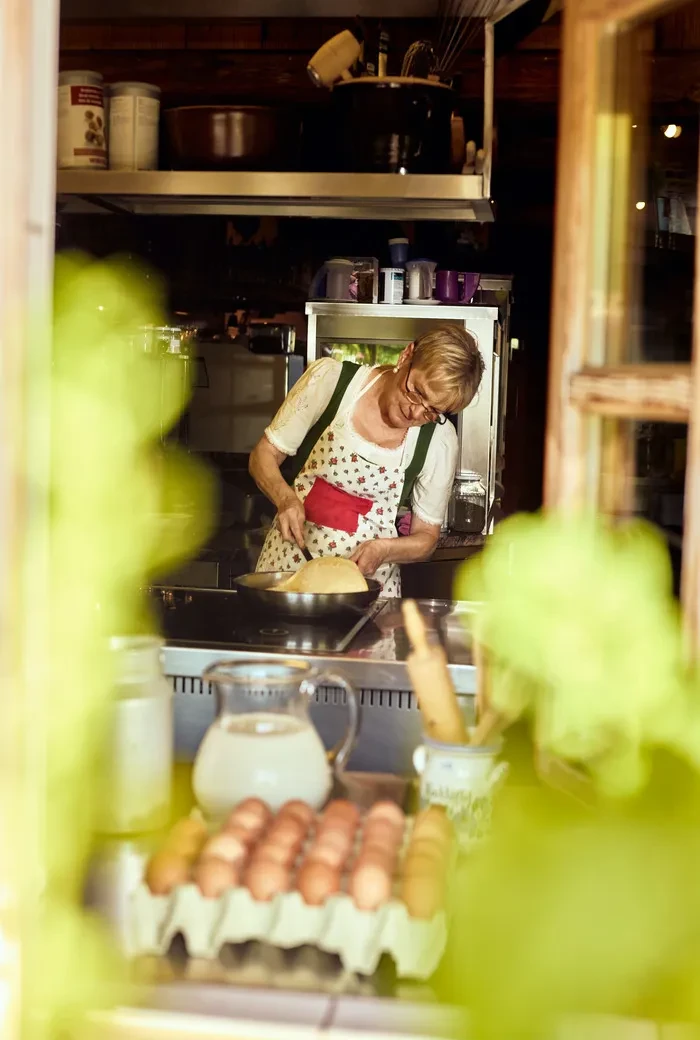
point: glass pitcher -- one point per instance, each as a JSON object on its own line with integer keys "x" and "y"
{"x": 263, "y": 743}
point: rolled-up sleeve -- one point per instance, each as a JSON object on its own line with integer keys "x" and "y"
{"x": 433, "y": 486}
{"x": 303, "y": 405}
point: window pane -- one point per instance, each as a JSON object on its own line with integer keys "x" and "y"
{"x": 646, "y": 192}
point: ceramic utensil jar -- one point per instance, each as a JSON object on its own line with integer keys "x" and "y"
{"x": 463, "y": 778}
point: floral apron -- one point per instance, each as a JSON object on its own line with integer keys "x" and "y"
{"x": 348, "y": 500}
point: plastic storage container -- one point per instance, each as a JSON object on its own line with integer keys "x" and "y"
{"x": 134, "y": 110}
{"x": 82, "y": 142}
{"x": 398, "y": 250}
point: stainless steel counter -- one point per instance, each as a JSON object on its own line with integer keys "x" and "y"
{"x": 375, "y": 658}
{"x": 199, "y": 631}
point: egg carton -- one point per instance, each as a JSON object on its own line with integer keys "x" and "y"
{"x": 358, "y": 937}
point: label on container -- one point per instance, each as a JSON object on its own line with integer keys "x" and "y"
{"x": 393, "y": 285}
{"x": 133, "y": 133}
{"x": 81, "y": 127}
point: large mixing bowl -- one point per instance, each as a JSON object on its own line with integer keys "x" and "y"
{"x": 233, "y": 137}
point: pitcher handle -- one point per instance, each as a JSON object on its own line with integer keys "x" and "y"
{"x": 339, "y": 755}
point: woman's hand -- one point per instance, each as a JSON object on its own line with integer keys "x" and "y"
{"x": 291, "y": 518}
{"x": 371, "y": 555}
{"x": 413, "y": 547}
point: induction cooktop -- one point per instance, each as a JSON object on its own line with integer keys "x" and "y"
{"x": 218, "y": 618}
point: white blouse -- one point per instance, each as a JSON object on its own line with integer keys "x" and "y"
{"x": 305, "y": 404}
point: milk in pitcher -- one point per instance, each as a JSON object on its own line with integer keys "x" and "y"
{"x": 265, "y": 755}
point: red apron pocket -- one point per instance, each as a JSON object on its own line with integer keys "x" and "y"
{"x": 328, "y": 506}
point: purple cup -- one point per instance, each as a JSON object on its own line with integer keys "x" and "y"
{"x": 469, "y": 286}
{"x": 447, "y": 286}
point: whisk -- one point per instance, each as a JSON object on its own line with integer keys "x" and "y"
{"x": 420, "y": 60}
{"x": 460, "y": 23}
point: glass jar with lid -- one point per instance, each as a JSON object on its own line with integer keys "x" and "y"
{"x": 137, "y": 758}
{"x": 467, "y": 512}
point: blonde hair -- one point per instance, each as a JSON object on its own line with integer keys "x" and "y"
{"x": 449, "y": 358}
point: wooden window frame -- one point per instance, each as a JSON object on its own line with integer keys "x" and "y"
{"x": 592, "y": 398}
{"x": 28, "y": 78}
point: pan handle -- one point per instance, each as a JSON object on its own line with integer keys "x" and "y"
{"x": 338, "y": 756}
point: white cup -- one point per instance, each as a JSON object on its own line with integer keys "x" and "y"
{"x": 415, "y": 283}
{"x": 462, "y": 778}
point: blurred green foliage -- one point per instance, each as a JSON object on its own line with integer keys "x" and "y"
{"x": 121, "y": 510}
{"x": 572, "y": 908}
{"x": 586, "y": 638}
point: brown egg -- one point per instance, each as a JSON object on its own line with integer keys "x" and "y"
{"x": 226, "y": 845}
{"x": 245, "y": 820}
{"x": 165, "y": 871}
{"x": 317, "y": 881}
{"x": 187, "y": 837}
{"x": 214, "y": 877}
{"x": 255, "y": 805}
{"x": 337, "y": 823}
{"x": 425, "y": 848}
{"x": 288, "y": 832}
{"x": 433, "y": 823}
{"x": 336, "y": 838}
{"x": 421, "y": 865}
{"x": 247, "y": 838}
{"x": 342, "y": 809}
{"x": 422, "y": 896}
{"x": 299, "y": 811}
{"x": 381, "y": 832}
{"x": 274, "y": 851}
{"x": 379, "y": 854}
{"x": 331, "y": 855}
{"x": 370, "y": 885}
{"x": 266, "y": 879}
{"x": 388, "y": 811}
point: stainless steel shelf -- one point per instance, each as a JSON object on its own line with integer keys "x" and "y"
{"x": 459, "y": 312}
{"x": 367, "y": 196}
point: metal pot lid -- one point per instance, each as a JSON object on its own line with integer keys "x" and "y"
{"x": 394, "y": 81}
{"x": 226, "y": 108}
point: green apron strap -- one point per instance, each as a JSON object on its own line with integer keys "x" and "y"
{"x": 417, "y": 462}
{"x": 293, "y": 466}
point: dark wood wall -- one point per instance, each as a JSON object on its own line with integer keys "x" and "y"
{"x": 264, "y": 60}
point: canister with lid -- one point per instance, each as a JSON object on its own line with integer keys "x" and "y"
{"x": 81, "y": 121}
{"x": 138, "y": 755}
{"x": 393, "y": 284}
{"x": 134, "y": 111}
{"x": 467, "y": 511}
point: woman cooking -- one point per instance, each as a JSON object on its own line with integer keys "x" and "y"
{"x": 360, "y": 443}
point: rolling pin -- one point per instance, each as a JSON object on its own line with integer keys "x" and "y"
{"x": 427, "y": 669}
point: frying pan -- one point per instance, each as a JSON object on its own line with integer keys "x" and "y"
{"x": 255, "y": 589}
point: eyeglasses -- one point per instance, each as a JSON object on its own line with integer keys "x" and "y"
{"x": 431, "y": 414}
